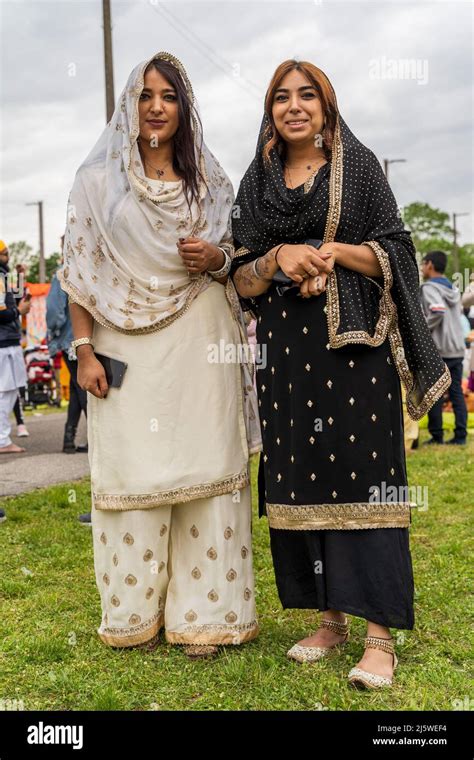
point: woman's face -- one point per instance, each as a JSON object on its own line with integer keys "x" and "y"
{"x": 157, "y": 109}
{"x": 296, "y": 109}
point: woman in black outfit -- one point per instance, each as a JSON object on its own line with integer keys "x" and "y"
{"x": 332, "y": 477}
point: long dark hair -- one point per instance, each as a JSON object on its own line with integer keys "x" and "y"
{"x": 184, "y": 158}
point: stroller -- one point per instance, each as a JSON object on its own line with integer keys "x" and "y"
{"x": 41, "y": 385}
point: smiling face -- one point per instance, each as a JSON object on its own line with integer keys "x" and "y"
{"x": 157, "y": 108}
{"x": 296, "y": 109}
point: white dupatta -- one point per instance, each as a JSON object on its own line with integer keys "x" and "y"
{"x": 127, "y": 288}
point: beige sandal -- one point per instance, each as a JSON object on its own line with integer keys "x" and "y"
{"x": 363, "y": 678}
{"x": 312, "y": 654}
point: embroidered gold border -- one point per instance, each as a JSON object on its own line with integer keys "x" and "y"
{"x": 128, "y": 637}
{"x": 385, "y": 308}
{"x": 335, "y": 186}
{"x": 121, "y": 503}
{"x": 214, "y": 634}
{"x": 387, "y": 324}
{"x": 242, "y": 251}
{"x": 432, "y": 394}
{"x": 77, "y": 297}
{"x": 352, "y": 516}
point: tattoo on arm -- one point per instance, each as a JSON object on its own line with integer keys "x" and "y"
{"x": 255, "y": 277}
{"x": 245, "y": 276}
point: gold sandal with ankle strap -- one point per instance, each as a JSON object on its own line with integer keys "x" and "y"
{"x": 363, "y": 678}
{"x": 312, "y": 654}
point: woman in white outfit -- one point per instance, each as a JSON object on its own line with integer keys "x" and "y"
{"x": 147, "y": 252}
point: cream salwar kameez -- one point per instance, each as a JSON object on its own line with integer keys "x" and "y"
{"x": 177, "y": 418}
{"x": 187, "y": 567}
{"x": 182, "y": 557}
{"x": 168, "y": 450}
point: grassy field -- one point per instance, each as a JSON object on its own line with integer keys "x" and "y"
{"x": 52, "y": 658}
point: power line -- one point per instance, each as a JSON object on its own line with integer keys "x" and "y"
{"x": 208, "y": 53}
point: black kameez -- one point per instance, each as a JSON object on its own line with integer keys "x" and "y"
{"x": 329, "y": 386}
{"x": 332, "y": 431}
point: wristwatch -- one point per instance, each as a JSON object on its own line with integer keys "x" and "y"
{"x": 80, "y": 342}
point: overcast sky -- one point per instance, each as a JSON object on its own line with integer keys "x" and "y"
{"x": 50, "y": 119}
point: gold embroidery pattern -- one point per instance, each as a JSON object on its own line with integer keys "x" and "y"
{"x": 387, "y": 324}
{"x": 137, "y": 634}
{"x": 176, "y": 496}
{"x": 386, "y": 313}
{"x": 354, "y": 516}
{"x": 77, "y": 297}
{"x": 242, "y": 251}
{"x": 432, "y": 394}
{"x": 214, "y": 634}
{"x": 335, "y": 186}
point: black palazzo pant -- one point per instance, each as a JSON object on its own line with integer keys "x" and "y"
{"x": 355, "y": 394}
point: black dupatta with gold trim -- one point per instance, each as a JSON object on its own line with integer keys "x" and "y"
{"x": 362, "y": 209}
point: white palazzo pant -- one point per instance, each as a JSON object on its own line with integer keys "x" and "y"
{"x": 187, "y": 567}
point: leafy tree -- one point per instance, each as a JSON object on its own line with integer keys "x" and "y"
{"x": 431, "y": 230}
{"x": 21, "y": 253}
{"x": 52, "y": 263}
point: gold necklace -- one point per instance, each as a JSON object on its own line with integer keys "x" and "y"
{"x": 308, "y": 167}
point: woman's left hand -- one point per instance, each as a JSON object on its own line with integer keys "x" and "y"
{"x": 313, "y": 286}
{"x": 199, "y": 255}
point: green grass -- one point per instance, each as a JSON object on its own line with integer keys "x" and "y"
{"x": 52, "y": 658}
{"x": 45, "y": 409}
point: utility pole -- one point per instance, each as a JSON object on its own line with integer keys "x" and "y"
{"x": 388, "y": 161}
{"x": 108, "y": 60}
{"x": 42, "y": 265}
{"x": 455, "y": 240}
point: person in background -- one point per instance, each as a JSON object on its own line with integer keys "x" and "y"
{"x": 60, "y": 335}
{"x": 21, "y": 429}
{"x": 468, "y": 301}
{"x": 441, "y": 306}
{"x": 12, "y": 365}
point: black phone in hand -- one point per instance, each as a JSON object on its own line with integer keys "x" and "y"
{"x": 114, "y": 370}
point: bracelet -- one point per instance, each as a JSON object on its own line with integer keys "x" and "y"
{"x": 257, "y": 273}
{"x": 225, "y": 268}
{"x": 278, "y": 251}
{"x": 80, "y": 342}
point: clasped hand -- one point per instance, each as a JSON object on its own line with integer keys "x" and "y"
{"x": 308, "y": 266}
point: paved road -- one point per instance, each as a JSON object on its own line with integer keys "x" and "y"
{"x": 43, "y": 463}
